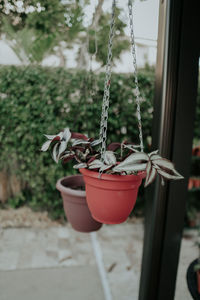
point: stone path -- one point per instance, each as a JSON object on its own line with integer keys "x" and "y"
{"x": 49, "y": 260}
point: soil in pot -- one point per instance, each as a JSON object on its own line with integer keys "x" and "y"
{"x": 111, "y": 198}
{"x": 72, "y": 189}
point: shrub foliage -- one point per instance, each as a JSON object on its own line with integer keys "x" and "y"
{"x": 36, "y": 100}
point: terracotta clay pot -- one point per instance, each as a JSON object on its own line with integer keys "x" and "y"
{"x": 196, "y": 183}
{"x": 190, "y": 183}
{"x": 75, "y": 205}
{"x": 111, "y": 198}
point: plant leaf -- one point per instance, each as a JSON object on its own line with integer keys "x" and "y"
{"x": 164, "y": 163}
{"x": 67, "y": 156}
{"x": 130, "y": 147}
{"x": 155, "y": 156}
{"x": 46, "y": 145}
{"x": 110, "y": 158}
{"x": 66, "y": 135}
{"x": 62, "y": 148}
{"x": 79, "y": 142}
{"x": 166, "y": 175}
{"x": 135, "y": 158}
{"x": 80, "y": 166}
{"x": 95, "y": 143}
{"x": 55, "y": 152}
{"x": 105, "y": 167}
{"x": 153, "y": 152}
{"x": 80, "y": 136}
{"x": 50, "y": 137}
{"x": 92, "y": 158}
{"x": 113, "y": 146}
{"x": 151, "y": 177}
{"x": 148, "y": 170}
{"x": 130, "y": 167}
{"x": 96, "y": 164}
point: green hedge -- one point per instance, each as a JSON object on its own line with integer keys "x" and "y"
{"x": 36, "y": 100}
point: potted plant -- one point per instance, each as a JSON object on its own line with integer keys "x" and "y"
{"x": 197, "y": 270}
{"x": 72, "y": 189}
{"x": 193, "y": 275}
{"x": 111, "y": 183}
{"x": 112, "y": 174}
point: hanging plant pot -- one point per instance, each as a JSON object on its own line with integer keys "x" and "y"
{"x": 111, "y": 198}
{"x": 75, "y": 205}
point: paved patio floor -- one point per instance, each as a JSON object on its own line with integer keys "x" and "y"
{"x": 60, "y": 263}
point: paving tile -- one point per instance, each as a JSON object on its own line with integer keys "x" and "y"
{"x": 71, "y": 283}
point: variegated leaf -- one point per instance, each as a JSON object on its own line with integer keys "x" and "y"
{"x": 79, "y": 142}
{"x": 151, "y": 177}
{"x": 178, "y": 174}
{"x": 66, "y": 154}
{"x": 46, "y": 145}
{"x": 50, "y": 137}
{"x": 153, "y": 152}
{"x": 166, "y": 175}
{"x": 66, "y": 135}
{"x": 130, "y": 167}
{"x": 164, "y": 163}
{"x": 131, "y": 147}
{"x": 105, "y": 167}
{"x": 96, "y": 164}
{"x": 148, "y": 170}
{"x": 95, "y": 143}
{"x": 55, "y": 153}
{"x": 155, "y": 156}
{"x": 62, "y": 148}
{"x": 134, "y": 159}
{"x": 80, "y": 166}
{"x": 110, "y": 158}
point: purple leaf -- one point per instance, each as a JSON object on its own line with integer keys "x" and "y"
{"x": 113, "y": 146}
{"x": 76, "y": 135}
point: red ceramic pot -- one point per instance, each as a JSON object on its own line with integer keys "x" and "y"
{"x": 111, "y": 198}
{"x": 198, "y": 281}
{"x": 196, "y": 183}
{"x": 75, "y": 205}
{"x": 190, "y": 183}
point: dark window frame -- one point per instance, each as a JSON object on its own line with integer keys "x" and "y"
{"x": 173, "y": 126}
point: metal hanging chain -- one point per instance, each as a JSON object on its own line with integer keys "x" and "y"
{"x": 106, "y": 97}
{"x": 137, "y": 91}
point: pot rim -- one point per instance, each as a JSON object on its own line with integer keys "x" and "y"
{"x": 113, "y": 177}
{"x": 67, "y": 190}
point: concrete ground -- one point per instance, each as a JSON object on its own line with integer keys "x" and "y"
{"x": 47, "y": 260}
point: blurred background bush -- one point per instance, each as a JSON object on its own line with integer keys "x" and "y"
{"x": 37, "y": 100}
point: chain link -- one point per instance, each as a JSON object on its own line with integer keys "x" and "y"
{"x": 137, "y": 91}
{"x": 106, "y": 97}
